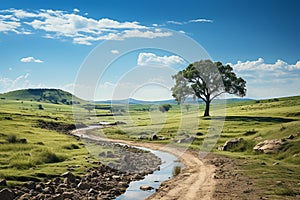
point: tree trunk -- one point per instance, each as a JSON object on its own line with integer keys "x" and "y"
{"x": 206, "y": 112}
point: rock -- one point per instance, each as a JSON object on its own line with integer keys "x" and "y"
{"x": 279, "y": 182}
{"x": 143, "y": 137}
{"x": 199, "y": 134}
{"x": 3, "y": 182}
{"x": 110, "y": 154}
{"x": 48, "y": 190}
{"x": 154, "y": 137}
{"x": 83, "y": 186}
{"x": 258, "y": 138}
{"x": 123, "y": 184}
{"x": 230, "y": 143}
{"x": 186, "y": 140}
{"x": 269, "y": 146}
{"x": 146, "y": 187}
{"x": 102, "y": 154}
{"x": 70, "y": 176}
{"x": 137, "y": 177}
{"x": 6, "y": 194}
{"x": 92, "y": 191}
{"x": 57, "y": 197}
{"x": 24, "y": 197}
{"x": 116, "y": 177}
{"x": 291, "y": 137}
{"x": 68, "y": 195}
{"x": 29, "y": 185}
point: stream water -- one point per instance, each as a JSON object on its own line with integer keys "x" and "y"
{"x": 133, "y": 192}
{"x": 154, "y": 180}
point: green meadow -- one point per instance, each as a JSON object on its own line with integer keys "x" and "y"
{"x": 30, "y": 152}
{"x": 277, "y": 175}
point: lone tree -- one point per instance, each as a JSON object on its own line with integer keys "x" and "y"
{"x": 207, "y": 80}
{"x": 89, "y": 107}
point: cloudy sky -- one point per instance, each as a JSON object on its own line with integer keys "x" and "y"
{"x": 47, "y": 43}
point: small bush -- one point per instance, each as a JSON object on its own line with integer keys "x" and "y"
{"x": 12, "y": 139}
{"x": 71, "y": 146}
{"x": 176, "y": 171}
{"x": 50, "y": 157}
{"x": 40, "y": 106}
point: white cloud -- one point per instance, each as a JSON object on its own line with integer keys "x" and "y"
{"x": 294, "y": 67}
{"x": 6, "y": 26}
{"x": 31, "y": 59}
{"x": 114, "y": 51}
{"x": 260, "y": 65}
{"x": 123, "y": 35}
{"x": 151, "y": 59}
{"x": 58, "y": 24}
{"x": 201, "y": 21}
{"x": 76, "y": 10}
{"x": 20, "y": 82}
{"x": 175, "y": 22}
{"x": 268, "y": 80}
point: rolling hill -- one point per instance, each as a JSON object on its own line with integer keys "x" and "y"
{"x": 55, "y": 96}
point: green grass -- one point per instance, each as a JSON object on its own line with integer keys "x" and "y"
{"x": 254, "y": 121}
{"x": 48, "y": 153}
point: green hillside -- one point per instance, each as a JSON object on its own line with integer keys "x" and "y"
{"x": 55, "y": 96}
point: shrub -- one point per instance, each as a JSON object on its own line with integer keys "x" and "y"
{"x": 71, "y": 146}
{"x": 50, "y": 157}
{"x": 176, "y": 171}
{"x": 164, "y": 108}
{"x": 12, "y": 139}
{"x": 40, "y": 106}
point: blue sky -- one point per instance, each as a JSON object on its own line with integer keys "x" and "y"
{"x": 45, "y": 43}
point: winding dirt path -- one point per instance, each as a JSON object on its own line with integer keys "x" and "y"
{"x": 214, "y": 177}
{"x": 194, "y": 182}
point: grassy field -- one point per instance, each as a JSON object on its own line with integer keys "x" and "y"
{"x": 28, "y": 152}
{"x": 48, "y": 153}
{"x": 277, "y": 174}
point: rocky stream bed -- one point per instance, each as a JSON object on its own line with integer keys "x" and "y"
{"x": 103, "y": 181}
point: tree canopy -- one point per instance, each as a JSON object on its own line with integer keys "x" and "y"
{"x": 207, "y": 80}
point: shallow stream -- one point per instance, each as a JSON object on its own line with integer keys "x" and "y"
{"x": 133, "y": 192}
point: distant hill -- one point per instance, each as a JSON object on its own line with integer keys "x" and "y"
{"x": 169, "y": 101}
{"x": 55, "y": 96}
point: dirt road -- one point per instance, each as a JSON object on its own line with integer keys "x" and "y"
{"x": 214, "y": 177}
{"x": 194, "y": 182}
